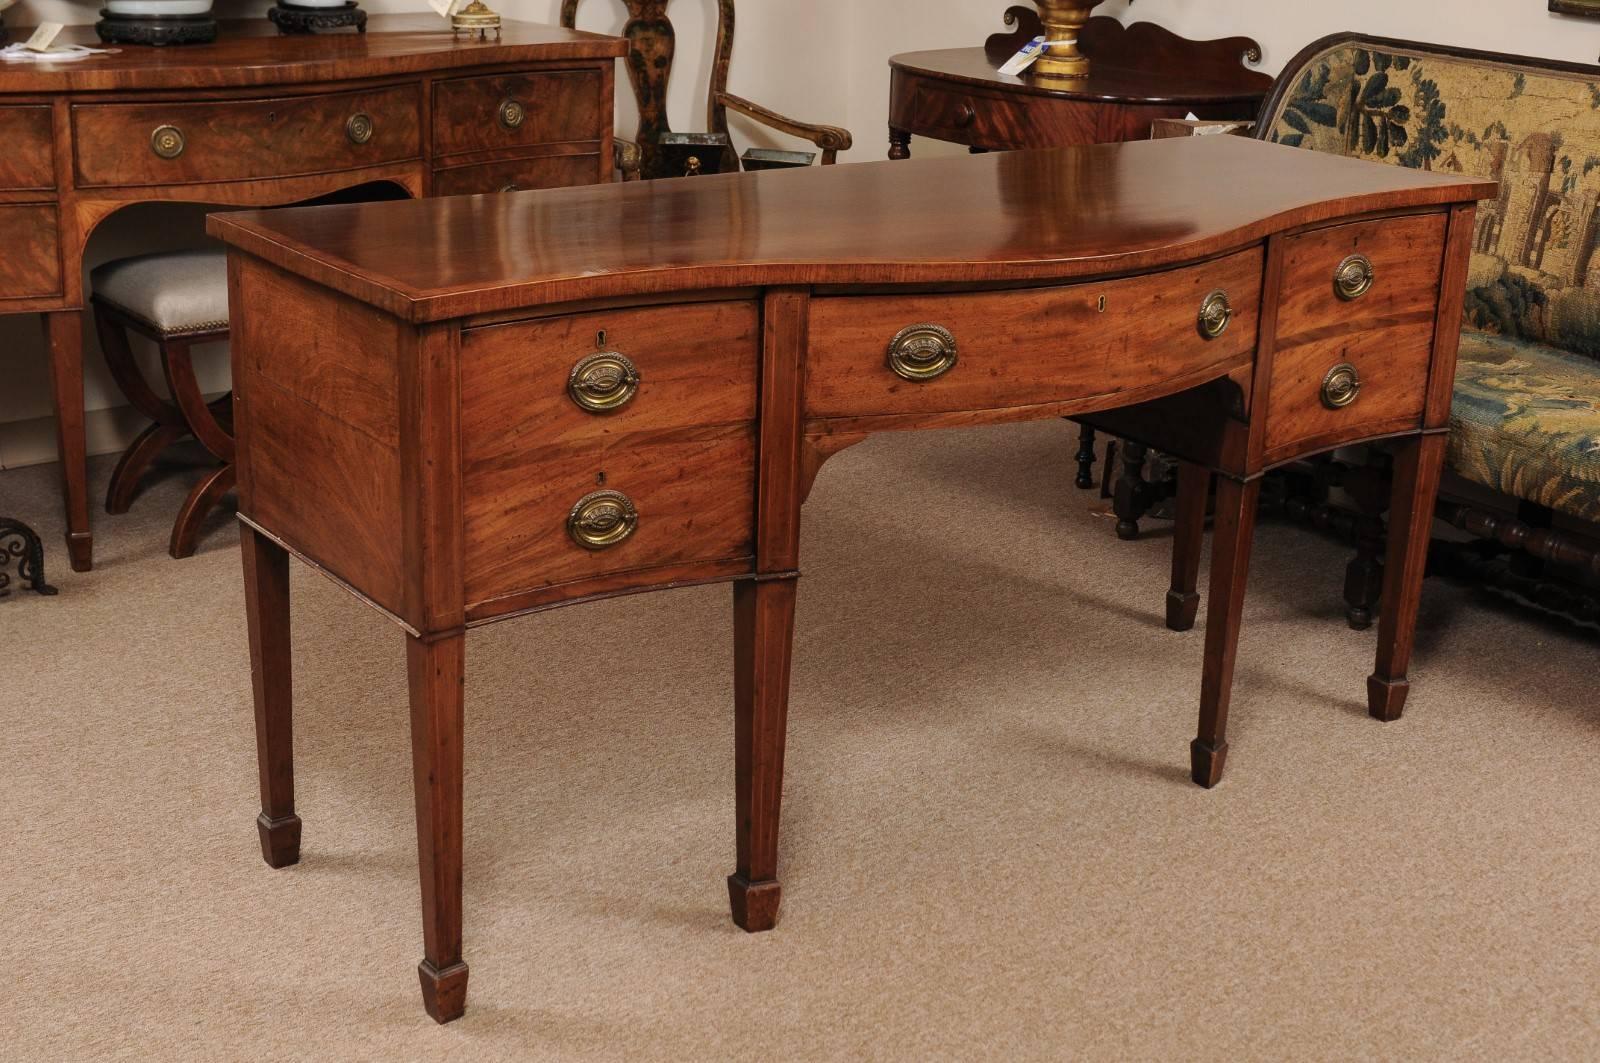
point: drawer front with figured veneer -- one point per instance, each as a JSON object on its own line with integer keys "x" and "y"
{"x": 539, "y": 520}
{"x": 604, "y": 375}
{"x": 517, "y": 110}
{"x": 1371, "y": 274}
{"x": 971, "y": 118}
{"x": 27, "y": 158}
{"x": 233, "y": 140}
{"x": 1134, "y": 337}
{"x": 30, "y": 265}
{"x": 517, "y": 175}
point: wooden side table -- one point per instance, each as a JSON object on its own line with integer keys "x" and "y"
{"x": 1140, "y": 73}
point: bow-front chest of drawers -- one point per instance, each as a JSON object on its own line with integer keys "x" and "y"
{"x": 465, "y": 410}
{"x": 263, "y": 119}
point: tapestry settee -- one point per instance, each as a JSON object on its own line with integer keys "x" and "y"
{"x": 1526, "y": 416}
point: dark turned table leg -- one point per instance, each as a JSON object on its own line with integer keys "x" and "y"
{"x": 1230, "y": 569}
{"x": 1188, "y": 542}
{"x": 266, "y": 602}
{"x": 434, "y": 670}
{"x": 63, "y": 333}
{"x": 1085, "y": 458}
{"x": 763, "y": 637}
{"x": 899, "y": 143}
{"x": 1417, "y": 465}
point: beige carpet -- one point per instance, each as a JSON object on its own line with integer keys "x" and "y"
{"x": 990, "y": 847}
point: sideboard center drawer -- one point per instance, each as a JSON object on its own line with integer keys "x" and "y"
{"x": 117, "y": 144}
{"x": 921, "y": 354}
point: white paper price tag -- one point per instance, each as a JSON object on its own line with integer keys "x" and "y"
{"x": 1025, "y": 58}
{"x": 444, "y": 8}
{"x": 43, "y": 37}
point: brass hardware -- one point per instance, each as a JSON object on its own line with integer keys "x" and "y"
{"x": 1100, "y": 304}
{"x": 511, "y": 113}
{"x": 1341, "y": 386}
{"x": 922, "y": 352}
{"x": 1063, "y": 22}
{"x": 508, "y": 188}
{"x": 602, "y": 520}
{"x": 358, "y": 128}
{"x": 1354, "y": 277}
{"x": 1215, "y": 314}
{"x": 603, "y": 382}
{"x": 167, "y": 141}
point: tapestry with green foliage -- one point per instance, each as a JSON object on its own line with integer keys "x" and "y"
{"x": 1527, "y": 405}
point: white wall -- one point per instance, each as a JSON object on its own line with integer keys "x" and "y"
{"x": 818, "y": 60}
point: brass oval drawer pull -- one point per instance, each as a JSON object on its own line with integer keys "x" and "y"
{"x": 603, "y": 382}
{"x": 922, "y": 352}
{"x": 359, "y": 128}
{"x": 1340, "y": 386}
{"x": 1354, "y": 277}
{"x": 1215, "y": 314}
{"x": 602, "y": 520}
{"x": 167, "y": 141}
{"x": 511, "y": 113}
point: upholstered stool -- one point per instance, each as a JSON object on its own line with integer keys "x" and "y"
{"x": 176, "y": 299}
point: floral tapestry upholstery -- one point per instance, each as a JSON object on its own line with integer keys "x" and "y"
{"x": 1526, "y": 418}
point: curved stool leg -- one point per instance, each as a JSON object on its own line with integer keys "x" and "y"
{"x": 203, "y": 498}
{"x": 125, "y": 371}
{"x": 135, "y": 461}
{"x": 200, "y": 415}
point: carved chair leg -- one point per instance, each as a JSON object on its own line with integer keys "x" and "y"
{"x": 266, "y": 610}
{"x": 435, "y": 671}
{"x": 1418, "y": 464}
{"x": 135, "y": 462}
{"x": 1230, "y": 570}
{"x": 202, "y": 499}
{"x": 1085, "y": 458}
{"x": 763, "y": 634}
{"x": 1128, "y": 502}
{"x": 1188, "y": 542}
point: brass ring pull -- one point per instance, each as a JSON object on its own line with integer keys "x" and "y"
{"x": 167, "y": 141}
{"x": 602, "y": 520}
{"x": 1354, "y": 277}
{"x": 508, "y": 187}
{"x": 1215, "y": 314}
{"x": 922, "y": 352}
{"x": 359, "y": 128}
{"x": 511, "y": 113}
{"x": 603, "y": 382}
{"x": 1340, "y": 386}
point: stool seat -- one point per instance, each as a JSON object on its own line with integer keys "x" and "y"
{"x": 174, "y": 292}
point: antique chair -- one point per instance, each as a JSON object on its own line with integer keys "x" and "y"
{"x": 652, "y": 43}
{"x": 1524, "y": 448}
{"x": 178, "y": 300}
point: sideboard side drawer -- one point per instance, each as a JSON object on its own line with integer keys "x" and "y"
{"x": 517, "y": 175}
{"x": 27, "y": 153}
{"x": 128, "y": 144}
{"x": 693, "y": 491}
{"x": 31, "y": 264}
{"x": 1035, "y": 345}
{"x": 499, "y": 111}
{"x": 1400, "y": 257}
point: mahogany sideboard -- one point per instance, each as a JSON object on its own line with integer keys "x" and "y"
{"x": 260, "y": 118}
{"x": 464, "y": 410}
{"x": 1138, "y": 74}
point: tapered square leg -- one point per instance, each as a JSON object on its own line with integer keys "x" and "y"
{"x": 1417, "y": 465}
{"x": 435, "y": 671}
{"x": 63, "y": 333}
{"x": 1230, "y": 570}
{"x": 266, "y": 603}
{"x": 763, "y": 619}
{"x": 1188, "y": 541}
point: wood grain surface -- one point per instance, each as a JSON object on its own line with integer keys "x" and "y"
{"x": 556, "y": 107}
{"x": 31, "y": 265}
{"x": 28, "y": 161}
{"x": 1010, "y": 217}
